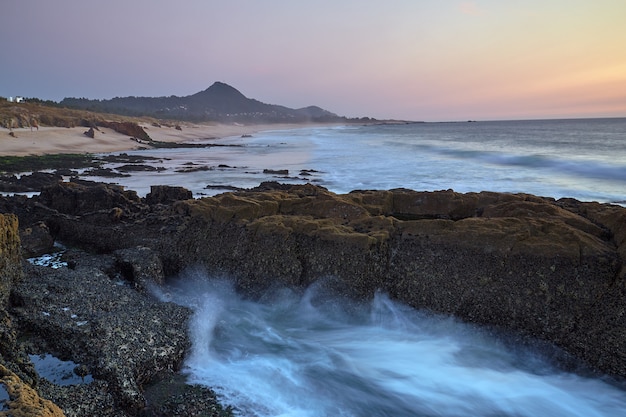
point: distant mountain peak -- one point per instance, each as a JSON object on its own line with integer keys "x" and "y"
{"x": 219, "y": 102}
{"x": 220, "y": 88}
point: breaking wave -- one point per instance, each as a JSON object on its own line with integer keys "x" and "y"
{"x": 313, "y": 354}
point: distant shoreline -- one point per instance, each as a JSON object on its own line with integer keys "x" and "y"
{"x": 73, "y": 140}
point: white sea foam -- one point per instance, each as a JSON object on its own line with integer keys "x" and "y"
{"x": 314, "y": 355}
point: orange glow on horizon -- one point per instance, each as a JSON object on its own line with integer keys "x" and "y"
{"x": 405, "y": 59}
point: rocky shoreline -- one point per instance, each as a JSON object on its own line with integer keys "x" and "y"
{"x": 550, "y": 270}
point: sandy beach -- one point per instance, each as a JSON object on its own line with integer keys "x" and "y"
{"x": 55, "y": 140}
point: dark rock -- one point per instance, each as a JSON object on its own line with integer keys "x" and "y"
{"x": 139, "y": 167}
{"x": 91, "y": 133}
{"x": 173, "y": 396}
{"x": 141, "y": 266}
{"x": 195, "y": 169}
{"x": 27, "y": 183}
{"x": 84, "y": 197}
{"x": 93, "y": 399}
{"x": 38, "y": 180}
{"x": 124, "y": 338}
{"x": 16, "y": 373}
{"x": 105, "y": 172}
{"x": 514, "y": 261}
{"x": 127, "y": 128}
{"x": 81, "y": 371}
{"x": 276, "y": 171}
{"x": 10, "y": 184}
{"x": 66, "y": 172}
{"x": 36, "y": 240}
{"x": 129, "y": 159}
{"x": 271, "y": 186}
{"x": 223, "y": 187}
{"x": 552, "y": 270}
{"x": 165, "y": 194}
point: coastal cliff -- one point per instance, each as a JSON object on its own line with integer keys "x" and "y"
{"x": 544, "y": 269}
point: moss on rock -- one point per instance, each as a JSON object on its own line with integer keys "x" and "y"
{"x": 23, "y": 400}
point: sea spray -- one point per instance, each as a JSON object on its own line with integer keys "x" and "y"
{"x": 314, "y": 354}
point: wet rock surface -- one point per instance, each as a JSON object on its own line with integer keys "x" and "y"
{"x": 97, "y": 312}
{"x": 93, "y": 319}
{"x": 29, "y": 182}
{"x": 552, "y": 270}
{"x": 90, "y": 314}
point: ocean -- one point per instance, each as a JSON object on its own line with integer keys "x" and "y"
{"x": 581, "y": 158}
{"x": 312, "y": 354}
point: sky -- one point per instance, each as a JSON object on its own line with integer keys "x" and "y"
{"x": 427, "y": 60}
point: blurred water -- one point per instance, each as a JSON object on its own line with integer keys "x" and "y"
{"x": 583, "y": 159}
{"x": 313, "y": 354}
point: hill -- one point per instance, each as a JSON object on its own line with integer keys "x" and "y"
{"x": 218, "y": 103}
{"x": 34, "y": 112}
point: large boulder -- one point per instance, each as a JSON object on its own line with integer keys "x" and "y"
{"x": 82, "y": 197}
{"x": 126, "y": 128}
